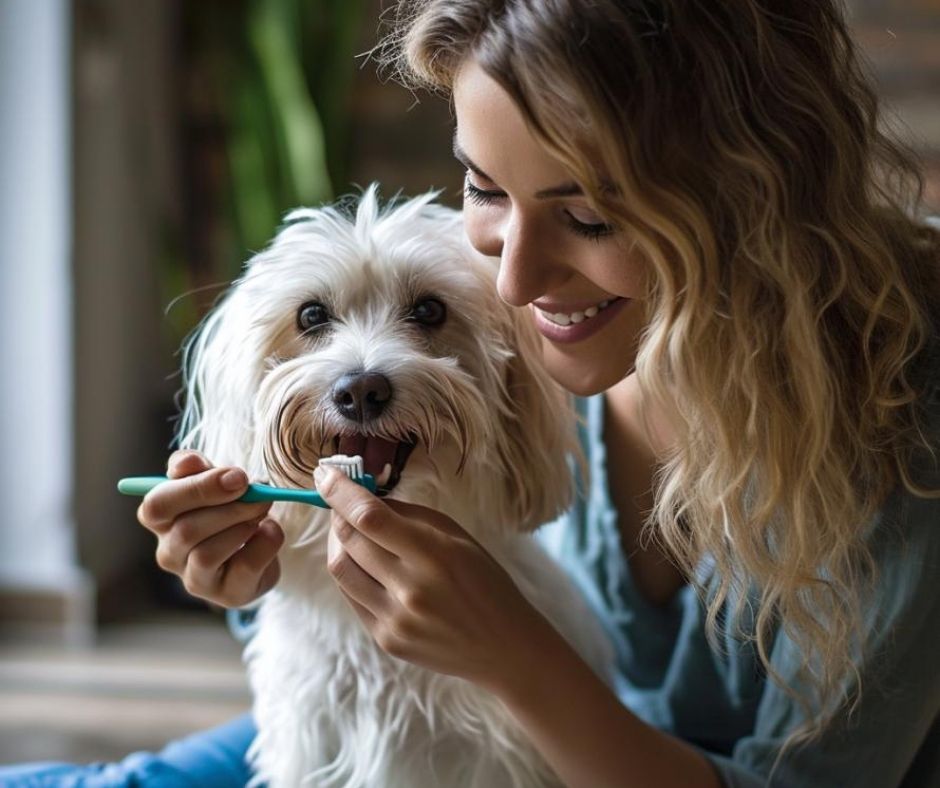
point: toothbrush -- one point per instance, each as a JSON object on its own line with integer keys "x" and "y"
{"x": 351, "y": 466}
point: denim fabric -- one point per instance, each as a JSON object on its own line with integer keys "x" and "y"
{"x": 209, "y": 759}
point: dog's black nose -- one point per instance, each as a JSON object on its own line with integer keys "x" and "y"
{"x": 362, "y": 396}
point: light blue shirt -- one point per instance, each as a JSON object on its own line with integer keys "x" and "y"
{"x": 721, "y": 701}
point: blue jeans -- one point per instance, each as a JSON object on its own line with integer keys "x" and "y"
{"x": 209, "y": 759}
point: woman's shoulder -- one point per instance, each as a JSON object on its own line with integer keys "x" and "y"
{"x": 905, "y": 538}
{"x": 922, "y": 465}
{"x": 905, "y": 543}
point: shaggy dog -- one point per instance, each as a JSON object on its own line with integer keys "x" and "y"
{"x": 379, "y": 332}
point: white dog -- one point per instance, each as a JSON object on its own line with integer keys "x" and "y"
{"x": 381, "y": 334}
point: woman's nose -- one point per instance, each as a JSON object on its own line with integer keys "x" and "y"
{"x": 524, "y": 262}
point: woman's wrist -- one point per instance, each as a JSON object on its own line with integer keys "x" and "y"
{"x": 531, "y": 666}
{"x": 582, "y": 729}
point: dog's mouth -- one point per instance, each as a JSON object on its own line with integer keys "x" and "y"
{"x": 383, "y": 459}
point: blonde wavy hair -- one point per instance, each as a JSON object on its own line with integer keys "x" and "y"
{"x": 794, "y": 286}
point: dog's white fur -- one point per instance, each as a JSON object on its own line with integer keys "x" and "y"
{"x": 332, "y": 709}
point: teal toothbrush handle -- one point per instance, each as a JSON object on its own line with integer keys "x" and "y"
{"x": 256, "y": 493}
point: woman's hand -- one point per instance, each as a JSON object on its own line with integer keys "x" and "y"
{"x": 425, "y": 590}
{"x": 429, "y": 594}
{"x": 225, "y": 551}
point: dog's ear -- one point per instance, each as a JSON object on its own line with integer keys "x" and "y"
{"x": 221, "y": 374}
{"x": 538, "y": 435}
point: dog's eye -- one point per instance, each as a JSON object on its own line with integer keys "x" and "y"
{"x": 311, "y": 315}
{"x": 429, "y": 312}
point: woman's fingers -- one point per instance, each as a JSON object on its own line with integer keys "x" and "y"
{"x": 204, "y": 566}
{"x": 368, "y": 596}
{"x": 372, "y": 517}
{"x": 224, "y": 550}
{"x": 333, "y": 549}
{"x": 370, "y": 556}
{"x": 180, "y": 537}
{"x": 368, "y": 620}
{"x": 254, "y": 569}
{"x": 186, "y": 463}
{"x": 167, "y": 501}
{"x": 236, "y": 565}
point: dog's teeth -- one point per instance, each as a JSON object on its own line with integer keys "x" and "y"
{"x": 384, "y": 476}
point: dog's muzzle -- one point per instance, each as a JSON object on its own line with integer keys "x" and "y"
{"x": 361, "y": 398}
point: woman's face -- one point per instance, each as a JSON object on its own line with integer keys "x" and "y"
{"x": 557, "y": 257}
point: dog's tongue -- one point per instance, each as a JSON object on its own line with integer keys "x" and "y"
{"x": 375, "y": 452}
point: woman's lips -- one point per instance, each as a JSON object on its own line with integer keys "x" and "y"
{"x": 577, "y": 332}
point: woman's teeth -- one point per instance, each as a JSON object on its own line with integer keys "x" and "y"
{"x": 562, "y": 319}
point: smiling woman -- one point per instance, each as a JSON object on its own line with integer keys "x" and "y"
{"x": 557, "y": 254}
{"x": 717, "y": 175}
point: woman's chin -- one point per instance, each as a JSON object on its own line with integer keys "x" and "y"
{"x": 601, "y": 360}
{"x": 587, "y": 374}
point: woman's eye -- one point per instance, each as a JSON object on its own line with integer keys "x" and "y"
{"x": 593, "y": 230}
{"x": 478, "y": 195}
{"x": 579, "y": 220}
{"x": 311, "y": 315}
{"x": 429, "y": 312}
{"x": 587, "y": 223}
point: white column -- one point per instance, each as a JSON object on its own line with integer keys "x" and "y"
{"x": 37, "y": 539}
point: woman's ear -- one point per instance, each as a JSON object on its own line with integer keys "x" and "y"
{"x": 538, "y": 431}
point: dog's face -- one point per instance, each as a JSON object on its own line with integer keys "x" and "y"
{"x": 380, "y": 334}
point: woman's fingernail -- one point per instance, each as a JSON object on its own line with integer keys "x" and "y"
{"x": 325, "y": 479}
{"x": 233, "y": 479}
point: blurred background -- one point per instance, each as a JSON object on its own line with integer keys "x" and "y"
{"x": 146, "y": 148}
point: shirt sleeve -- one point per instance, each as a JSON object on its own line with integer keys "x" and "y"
{"x": 242, "y": 621}
{"x": 878, "y": 743}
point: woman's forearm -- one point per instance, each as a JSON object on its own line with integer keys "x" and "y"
{"x": 588, "y": 737}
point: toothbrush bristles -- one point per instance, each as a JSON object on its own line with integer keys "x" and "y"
{"x": 352, "y": 466}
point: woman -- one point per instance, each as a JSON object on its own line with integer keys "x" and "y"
{"x": 762, "y": 394}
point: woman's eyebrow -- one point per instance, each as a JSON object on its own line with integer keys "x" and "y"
{"x": 465, "y": 160}
{"x": 564, "y": 190}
